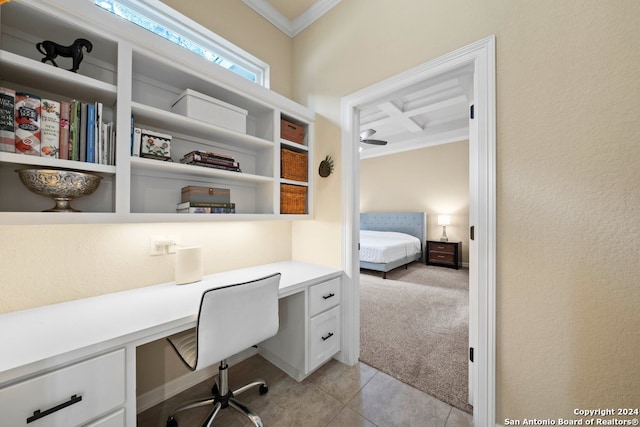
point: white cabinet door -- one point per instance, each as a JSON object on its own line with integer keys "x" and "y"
{"x": 113, "y": 420}
{"x": 324, "y": 337}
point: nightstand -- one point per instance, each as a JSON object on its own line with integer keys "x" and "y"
{"x": 445, "y": 254}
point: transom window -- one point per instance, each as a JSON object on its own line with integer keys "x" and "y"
{"x": 164, "y": 21}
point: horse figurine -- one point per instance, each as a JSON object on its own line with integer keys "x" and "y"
{"x": 52, "y": 50}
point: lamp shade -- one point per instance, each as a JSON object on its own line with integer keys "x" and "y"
{"x": 444, "y": 219}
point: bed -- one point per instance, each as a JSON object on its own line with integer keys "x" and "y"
{"x": 389, "y": 240}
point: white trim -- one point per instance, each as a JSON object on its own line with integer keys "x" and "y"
{"x": 291, "y": 28}
{"x": 311, "y": 15}
{"x": 408, "y": 145}
{"x": 482, "y": 172}
{"x": 271, "y": 14}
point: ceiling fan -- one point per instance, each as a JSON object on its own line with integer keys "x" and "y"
{"x": 364, "y": 137}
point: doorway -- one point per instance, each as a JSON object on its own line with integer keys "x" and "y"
{"x": 482, "y": 138}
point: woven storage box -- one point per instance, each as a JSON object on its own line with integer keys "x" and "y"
{"x": 293, "y": 165}
{"x": 291, "y": 131}
{"x": 195, "y": 194}
{"x": 293, "y": 199}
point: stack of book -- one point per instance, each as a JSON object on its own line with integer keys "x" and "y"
{"x": 211, "y": 160}
{"x": 206, "y": 207}
{"x": 206, "y": 200}
{"x": 69, "y": 130}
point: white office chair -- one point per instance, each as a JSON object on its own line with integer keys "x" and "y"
{"x": 231, "y": 319}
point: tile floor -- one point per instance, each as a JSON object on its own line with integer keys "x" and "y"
{"x": 334, "y": 396}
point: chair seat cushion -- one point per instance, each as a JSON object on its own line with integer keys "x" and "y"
{"x": 185, "y": 345}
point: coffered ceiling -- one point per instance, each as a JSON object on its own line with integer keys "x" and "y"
{"x": 429, "y": 113}
{"x": 432, "y": 112}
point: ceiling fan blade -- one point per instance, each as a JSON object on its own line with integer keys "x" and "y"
{"x": 366, "y": 133}
{"x": 374, "y": 141}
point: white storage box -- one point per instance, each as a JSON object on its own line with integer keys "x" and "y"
{"x": 202, "y": 107}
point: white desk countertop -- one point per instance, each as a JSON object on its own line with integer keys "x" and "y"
{"x": 36, "y": 339}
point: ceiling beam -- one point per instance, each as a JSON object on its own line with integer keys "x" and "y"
{"x": 399, "y": 117}
{"x": 458, "y": 103}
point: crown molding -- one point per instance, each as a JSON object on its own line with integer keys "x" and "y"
{"x": 291, "y": 28}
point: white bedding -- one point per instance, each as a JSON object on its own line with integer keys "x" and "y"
{"x": 387, "y": 246}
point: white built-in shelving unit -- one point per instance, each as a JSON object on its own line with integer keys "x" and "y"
{"x": 138, "y": 76}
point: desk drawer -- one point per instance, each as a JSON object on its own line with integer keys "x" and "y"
{"x": 324, "y": 296}
{"x": 67, "y": 397}
{"x": 112, "y": 420}
{"x": 324, "y": 337}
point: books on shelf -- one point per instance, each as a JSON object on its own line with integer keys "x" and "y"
{"x": 69, "y": 130}
{"x": 27, "y": 123}
{"x": 7, "y": 120}
{"x": 136, "y": 135}
{"x": 63, "y": 143}
{"x": 211, "y": 160}
{"x": 91, "y": 134}
{"x": 195, "y": 207}
{"x": 50, "y": 128}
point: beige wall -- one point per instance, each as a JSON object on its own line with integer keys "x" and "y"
{"x": 434, "y": 180}
{"x": 242, "y": 26}
{"x": 568, "y": 184}
{"x": 568, "y": 181}
{"x": 48, "y": 264}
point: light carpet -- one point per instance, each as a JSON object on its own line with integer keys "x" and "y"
{"x": 414, "y": 326}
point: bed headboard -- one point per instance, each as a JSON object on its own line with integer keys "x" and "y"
{"x": 413, "y": 223}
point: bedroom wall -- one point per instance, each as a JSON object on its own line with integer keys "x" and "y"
{"x": 568, "y": 181}
{"x": 434, "y": 180}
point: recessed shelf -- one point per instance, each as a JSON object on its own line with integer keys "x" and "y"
{"x": 21, "y": 160}
{"x": 24, "y": 71}
{"x": 163, "y": 168}
{"x": 137, "y": 82}
{"x": 161, "y": 119}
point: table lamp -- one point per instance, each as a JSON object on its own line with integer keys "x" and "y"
{"x": 444, "y": 220}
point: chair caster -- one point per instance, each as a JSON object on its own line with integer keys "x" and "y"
{"x": 171, "y": 422}
{"x": 263, "y": 389}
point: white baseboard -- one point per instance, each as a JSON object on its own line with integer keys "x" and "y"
{"x": 180, "y": 384}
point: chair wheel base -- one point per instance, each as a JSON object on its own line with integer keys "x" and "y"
{"x": 171, "y": 422}
{"x": 264, "y": 389}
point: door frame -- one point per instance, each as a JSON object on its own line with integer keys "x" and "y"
{"x": 482, "y": 209}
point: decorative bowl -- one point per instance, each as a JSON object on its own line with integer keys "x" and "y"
{"x": 60, "y": 185}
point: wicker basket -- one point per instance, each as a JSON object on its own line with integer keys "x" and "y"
{"x": 293, "y": 165}
{"x": 293, "y": 199}
{"x": 291, "y": 131}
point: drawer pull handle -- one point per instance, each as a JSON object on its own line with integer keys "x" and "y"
{"x": 41, "y": 414}
{"x": 328, "y": 296}
{"x": 329, "y": 335}
{"x": 440, "y": 256}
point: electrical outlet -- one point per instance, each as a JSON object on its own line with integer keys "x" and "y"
{"x": 154, "y": 247}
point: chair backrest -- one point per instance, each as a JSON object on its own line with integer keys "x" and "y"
{"x": 235, "y": 317}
